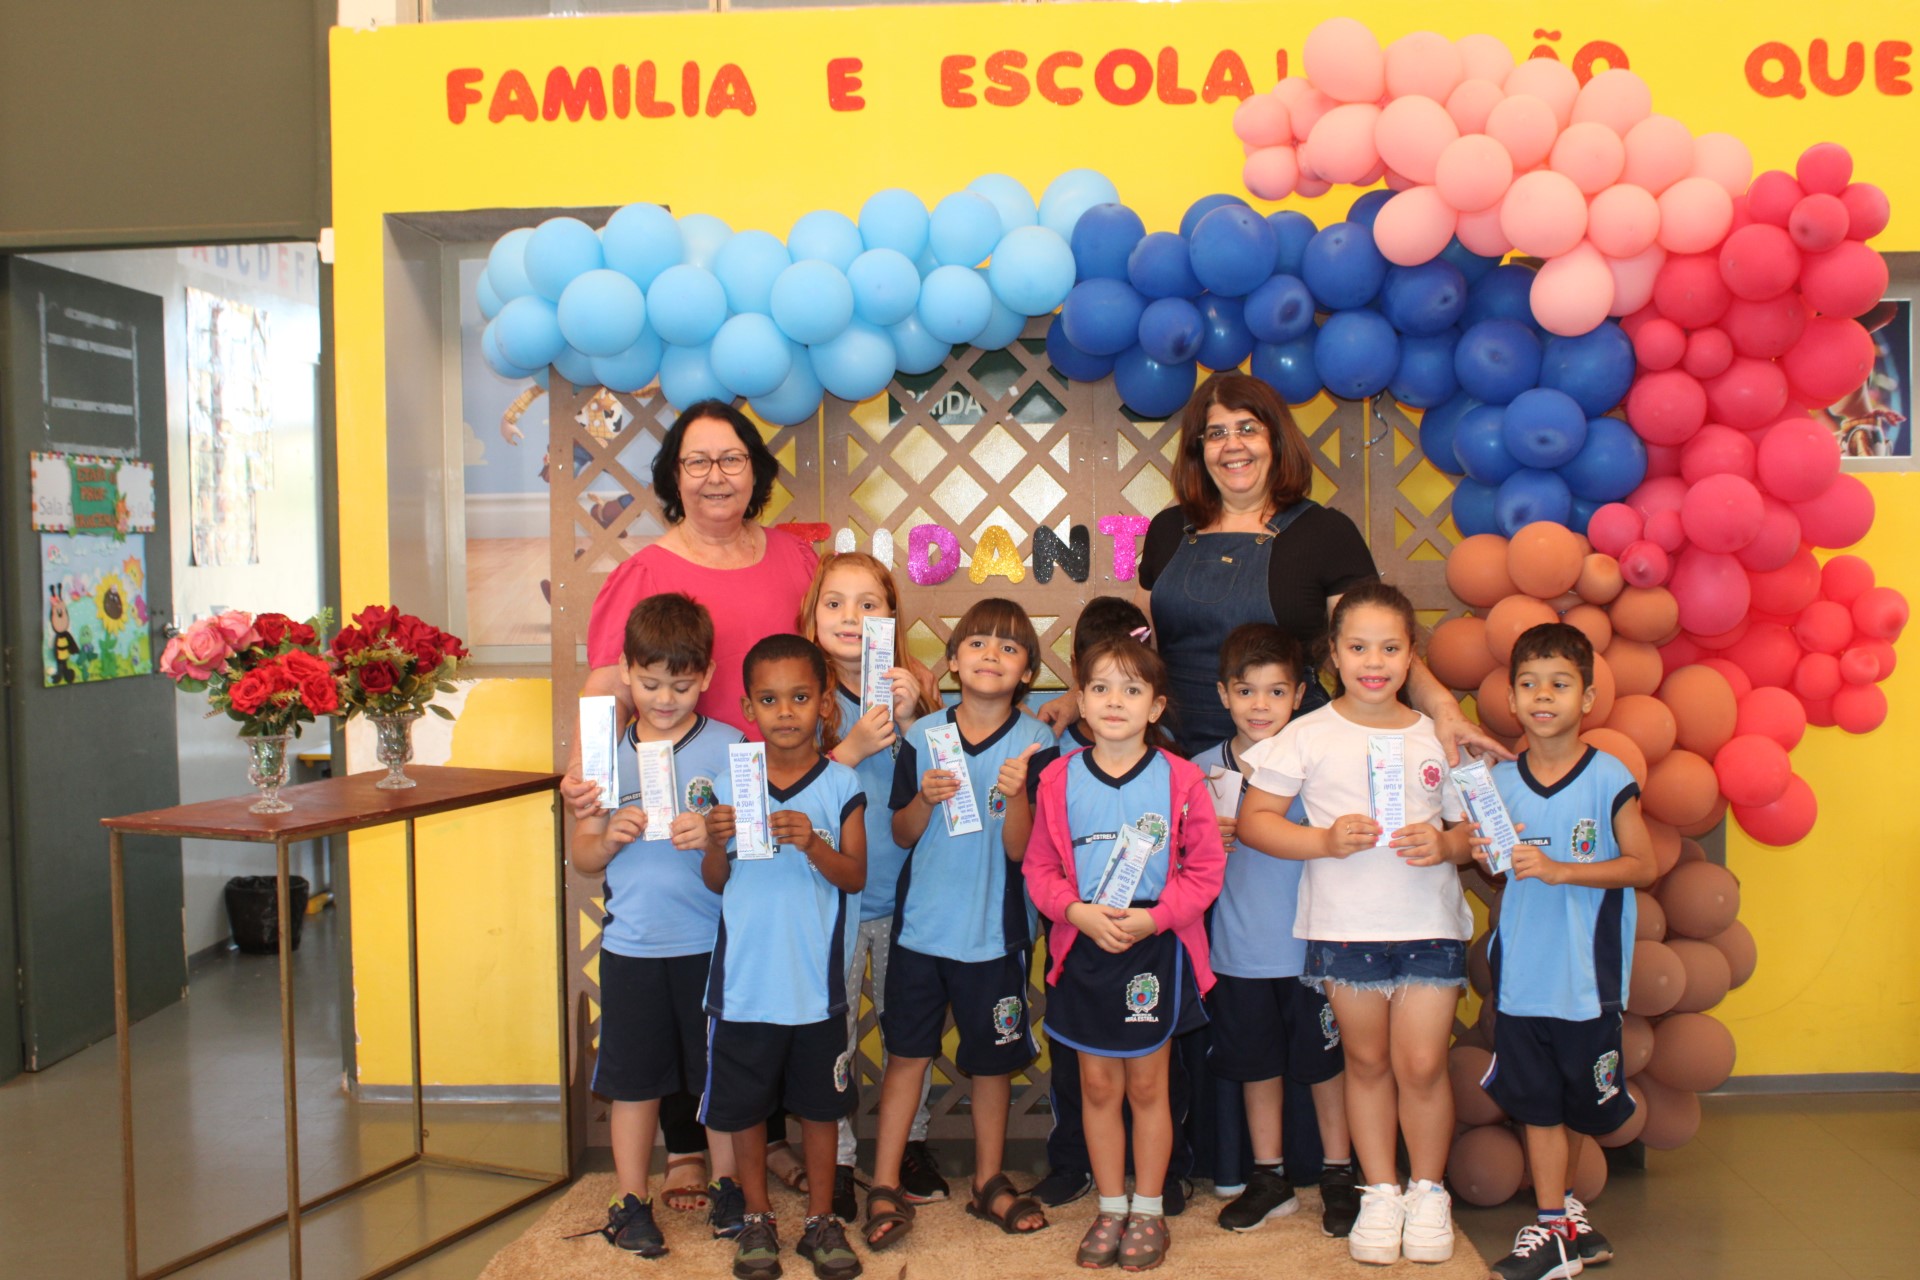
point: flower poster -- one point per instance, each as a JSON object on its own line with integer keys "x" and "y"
{"x": 229, "y": 445}
{"x": 93, "y": 600}
{"x": 78, "y": 493}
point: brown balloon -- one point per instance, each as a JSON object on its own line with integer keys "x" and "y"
{"x": 1630, "y": 1131}
{"x": 1485, "y": 1165}
{"x": 1457, "y": 652}
{"x": 1658, "y": 979}
{"x": 1691, "y": 850}
{"x": 1477, "y": 570}
{"x": 1593, "y": 623}
{"x": 1492, "y": 700}
{"x": 1701, "y": 899}
{"x": 1636, "y": 665}
{"x": 1709, "y": 976}
{"x": 1708, "y": 823}
{"x": 1466, "y": 1066}
{"x": 1736, "y": 944}
{"x": 1604, "y": 693}
{"x": 1511, "y": 618}
{"x": 1666, "y": 846}
{"x": 1600, "y": 581}
{"x": 1636, "y": 1043}
{"x": 1703, "y": 708}
{"x": 1681, "y": 788}
{"x": 1647, "y": 721}
{"x": 1622, "y": 748}
{"x": 1544, "y": 559}
{"x": 1649, "y": 917}
{"x": 1590, "y": 1178}
{"x": 1648, "y": 614}
{"x": 1673, "y": 1115}
{"x": 1691, "y": 1051}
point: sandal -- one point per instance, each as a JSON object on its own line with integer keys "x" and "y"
{"x": 1100, "y": 1247}
{"x": 685, "y": 1196}
{"x": 1145, "y": 1245}
{"x": 1018, "y": 1208}
{"x": 887, "y": 1227}
{"x": 784, "y": 1165}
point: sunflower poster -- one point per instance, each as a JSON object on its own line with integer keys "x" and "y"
{"x": 93, "y": 602}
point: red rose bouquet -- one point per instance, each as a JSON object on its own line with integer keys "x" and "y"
{"x": 392, "y": 663}
{"x": 264, "y": 671}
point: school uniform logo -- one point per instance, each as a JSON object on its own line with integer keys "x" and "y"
{"x": 1584, "y": 840}
{"x": 1154, "y": 825}
{"x": 1329, "y": 1029}
{"x": 1430, "y": 775}
{"x": 1606, "y": 1075}
{"x": 996, "y": 803}
{"x": 1006, "y": 1020}
{"x": 1143, "y": 997}
{"x": 700, "y": 796}
{"x": 843, "y": 1072}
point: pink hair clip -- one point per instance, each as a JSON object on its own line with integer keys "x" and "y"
{"x": 1142, "y": 634}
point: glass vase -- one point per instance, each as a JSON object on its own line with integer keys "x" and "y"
{"x": 394, "y": 747}
{"x": 267, "y": 765}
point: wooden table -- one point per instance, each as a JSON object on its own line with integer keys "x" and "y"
{"x": 328, "y": 808}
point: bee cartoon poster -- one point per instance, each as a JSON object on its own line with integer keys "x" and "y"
{"x": 93, "y": 608}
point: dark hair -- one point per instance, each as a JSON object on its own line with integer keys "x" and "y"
{"x": 666, "y": 463}
{"x": 1291, "y": 473}
{"x": 1138, "y": 661}
{"x": 1003, "y": 620}
{"x": 1261, "y": 644}
{"x": 1102, "y": 618}
{"x": 672, "y": 628}
{"x": 1376, "y": 595}
{"x": 780, "y": 648}
{"x": 1553, "y": 640}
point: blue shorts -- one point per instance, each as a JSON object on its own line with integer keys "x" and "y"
{"x": 1387, "y": 966}
{"x": 1551, "y": 1071}
{"x": 989, "y": 1003}
{"x": 653, "y": 1030}
{"x": 754, "y": 1067}
{"x": 1268, "y": 1027}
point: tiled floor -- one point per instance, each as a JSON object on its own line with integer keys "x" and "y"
{"x": 1800, "y": 1186}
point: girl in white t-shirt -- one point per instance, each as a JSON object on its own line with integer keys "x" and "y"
{"x": 1385, "y": 922}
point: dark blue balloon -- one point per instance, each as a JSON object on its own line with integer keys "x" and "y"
{"x": 1480, "y": 446}
{"x": 1426, "y": 299}
{"x": 1171, "y": 330}
{"x": 1367, "y": 207}
{"x": 1150, "y": 388}
{"x": 1472, "y": 265}
{"x": 1073, "y": 363}
{"x": 1356, "y": 353}
{"x": 1232, "y": 251}
{"x": 1582, "y": 514}
{"x": 1425, "y": 377}
{"x": 1436, "y": 432}
{"x": 1291, "y": 231}
{"x": 1609, "y": 466}
{"x": 1544, "y": 428}
{"x": 1473, "y": 508}
{"x": 1528, "y": 496}
{"x": 1505, "y": 293}
{"x": 1225, "y": 341}
{"x": 1280, "y": 310}
{"x": 1102, "y": 239}
{"x": 1497, "y": 360}
{"x": 1202, "y": 207}
{"x": 1288, "y": 368}
{"x": 1596, "y": 368}
{"x": 1103, "y": 316}
{"x": 1159, "y": 267}
{"x": 1342, "y": 267}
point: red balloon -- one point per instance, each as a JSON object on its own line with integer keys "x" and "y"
{"x": 1790, "y": 588}
{"x": 1777, "y": 540}
{"x": 1644, "y": 564}
{"x": 1689, "y": 290}
{"x": 1723, "y": 640}
{"x": 1753, "y": 770}
{"x": 1772, "y": 197}
{"x": 1712, "y": 590}
{"x": 1722, "y": 513}
{"x": 1859, "y": 708}
{"x": 1867, "y": 210}
{"x": 1833, "y": 357}
{"x": 1785, "y": 821}
{"x": 1845, "y": 578}
{"x": 1662, "y": 460}
{"x": 1797, "y": 459}
{"x": 1666, "y": 530}
{"x": 1818, "y": 223}
{"x": 1716, "y": 450}
{"x": 1681, "y": 651}
{"x": 1736, "y": 677}
{"x": 1817, "y": 677}
{"x": 1824, "y": 166}
{"x": 1759, "y": 261}
{"x": 1659, "y": 343}
{"x": 1859, "y": 666}
{"x": 1709, "y": 352}
{"x": 1768, "y": 653}
{"x": 1880, "y": 613}
{"x": 1749, "y": 393}
{"x": 1613, "y": 528}
{"x": 1819, "y": 712}
{"x": 1824, "y": 627}
{"x": 1774, "y": 714}
{"x": 1765, "y": 329}
{"x": 1846, "y": 280}
{"x": 1668, "y": 407}
{"x": 1883, "y": 656}
{"x": 1658, "y": 494}
{"x": 1839, "y": 516}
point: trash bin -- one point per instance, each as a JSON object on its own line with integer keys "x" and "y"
{"x": 253, "y": 912}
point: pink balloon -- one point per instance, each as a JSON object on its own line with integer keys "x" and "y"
{"x": 1613, "y": 528}
{"x": 1724, "y": 160}
{"x": 1665, "y": 531}
{"x": 1472, "y": 102}
{"x": 1344, "y": 61}
{"x": 1880, "y": 613}
{"x": 1765, "y": 329}
{"x": 1343, "y": 148}
{"x": 1644, "y": 563}
{"x": 1752, "y": 769}
{"x": 1867, "y": 210}
{"x": 1659, "y": 344}
{"x": 1786, "y": 821}
{"x": 1748, "y": 395}
{"x": 1543, "y": 213}
{"x": 1773, "y": 197}
{"x": 1481, "y": 233}
{"x": 1473, "y": 173}
{"x": 1844, "y": 579}
{"x": 1709, "y": 352}
{"x": 1572, "y": 294}
{"x": 1305, "y": 104}
{"x": 1484, "y": 57}
{"x": 1824, "y": 627}
{"x": 1263, "y": 121}
{"x": 1412, "y": 132}
{"x": 1622, "y": 220}
{"x": 1797, "y": 460}
{"x": 1771, "y": 713}
{"x": 1722, "y": 513}
{"x": 1694, "y": 215}
{"x": 1759, "y": 262}
{"x": 1859, "y": 666}
{"x": 1711, "y": 589}
{"x": 1526, "y": 127}
{"x": 1817, "y": 677}
{"x": 1690, "y": 291}
{"x": 1633, "y": 279}
{"x": 1659, "y": 153}
{"x": 1833, "y": 357}
{"x": 1617, "y": 98}
{"x": 1414, "y": 226}
{"x": 1717, "y": 450}
{"x": 1423, "y": 64}
{"x": 1838, "y": 517}
{"x": 1662, "y": 460}
{"x": 1394, "y": 181}
{"x": 1311, "y": 186}
{"x": 1549, "y": 80}
{"x": 1824, "y": 167}
{"x": 1655, "y": 496}
{"x": 1818, "y": 223}
{"x": 1768, "y": 654}
{"x": 1589, "y": 153}
{"x": 1846, "y": 280}
{"x": 1271, "y": 173}
{"x": 1859, "y": 708}
{"x": 1667, "y": 407}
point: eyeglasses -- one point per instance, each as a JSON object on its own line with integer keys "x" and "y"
{"x": 730, "y": 464}
{"x": 1218, "y": 433}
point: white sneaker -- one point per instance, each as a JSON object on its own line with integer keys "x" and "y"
{"x": 1428, "y": 1235}
{"x": 1375, "y": 1237}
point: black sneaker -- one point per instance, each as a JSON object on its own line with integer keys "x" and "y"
{"x": 921, "y": 1181}
{"x": 630, "y": 1226}
{"x": 1594, "y": 1247}
{"x": 846, "y": 1199}
{"x": 1268, "y": 1195}
{"x": 824, "y": 1244}
{"x": 756, "y": 1252}
{"x": 726, "y": 1208}
{"x": 1174, "y": 1196}
{"x": 1339, "y": 1201}
{"x": 1539, "y": 1253}
{"x": 1062, "y": 1186}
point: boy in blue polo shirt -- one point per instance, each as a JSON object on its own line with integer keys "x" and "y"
{"x": 1561, "y": 952}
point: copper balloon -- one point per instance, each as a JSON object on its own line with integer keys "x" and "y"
{"x": 1691, "y": 1051}
{"x": 1681, "y": 788}
{"x": 1466, "y": 1067}
{"x": 1709, "y": 976}
{"x": 1658, "y": 979}
{"x": 1737, "y": 945}
{"x": 1673, "y": 1115}
{"x": 1510, "y": 618}
{"x": 1544, "y": 559}
{"x": 1649, "y": 917}
{"x": 1703, "y": 707}
{"x": 1636, "y": 665}
{"x": 1604, "y": 693}
{"x": 1593, "y": 623}
{"x": 1630, "y": 1131}
{"x": 1485, "y": 1165}
{"x": 1477, "y": 570}
{"x": 1457, "y": 652}
{"x": 1622, "y": 748}
{"x": 1600, "y": 579}
{"x": 1492, "y": 701}
{"x": 1646, "y": 720}
{"x": 1636, "y": 1043}
{"x": 1701, "y": 900}
{"x": 1648, "y": 614}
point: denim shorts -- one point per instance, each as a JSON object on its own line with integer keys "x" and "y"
{"x": 1387, "y": 966}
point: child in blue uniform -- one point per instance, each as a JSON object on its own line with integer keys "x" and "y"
{"x": 657, "y": 935}
{"x": 1266, "y": 1023}
{"x": 1563, "y": 946}
{"x": 961, "y": 935}
{"x": 777, "y": 989}
{"x": 1124, "y": 809}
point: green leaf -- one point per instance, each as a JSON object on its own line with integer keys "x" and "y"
{"x": 441, "y": 711}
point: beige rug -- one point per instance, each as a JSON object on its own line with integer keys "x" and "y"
{"x": 946, "y": 1244}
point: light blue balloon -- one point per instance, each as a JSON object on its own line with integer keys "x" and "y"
{"x": 812, "y": 302}
{"x": 575, "y": 368}
{"x": 895, "y": 219}
{"x": 640, "y": 241}
{"x": 857, "y": 365}
{"x": 490, "y": 302}
{"x": 703, "y": 234}
{"x": 1010, "y": 199}
{"x": 507, "y": 265}
{"x": 541, "y": 378}
{"x": 886, "y": 286}
{"x": 750, "y": 355}
{"x": 686, "y": 305}
{"x": 955, "y": 303}
{"x": 490, "y": 352}
{"x": 1032, "y": 270}
{"x": 826, "y": 235}
{"x": 747, "y": 265}
{"x": 560, "y": 250}
{"x": 528, "y": 331}
{"x": 602, "y": 312}
{"x": 914, "y": 349}
{"x": 633, "y": 368}
{"x": 964, "y": 230}
{"x": 796, "y": 399}
{"x": 1004, "y": 326}
{"x": 687, "y": 377}
{"x": 926, "y": 264}
{"x": 1072, "y": 194}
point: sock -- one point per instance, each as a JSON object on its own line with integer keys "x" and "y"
{"x": 1114, "y": 1205}
{"x": 1273, "y": 1166}
{"x": 1557, "y": 1221}
{"x": 1421, "y": 1185}
{"x": 1148, "y": 1206}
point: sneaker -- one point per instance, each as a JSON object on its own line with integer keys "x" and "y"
{"x": 1268, "y": 1195}
{"x": 1174, "y": 1196}
{"x": 1594, "y": 1247}
{"x": 1339, "y": 1201}
{"x": 726, "y": 1208}
{"x": 630, "y": 1226}
{"x": 1428, "y": 1235}
{"x": 824, "y": 1244}
{"x": 1062, "y": 1186}
{"x": 846, "y": 1196}
{"x": 920, "y": 1178}
{"x": 1377, "y": 1228}
{"x": 1539, "y": 1253}
{"x": 756, "y": 1253}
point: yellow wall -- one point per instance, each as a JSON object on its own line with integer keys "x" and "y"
{"x": 1838, "y": 968}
